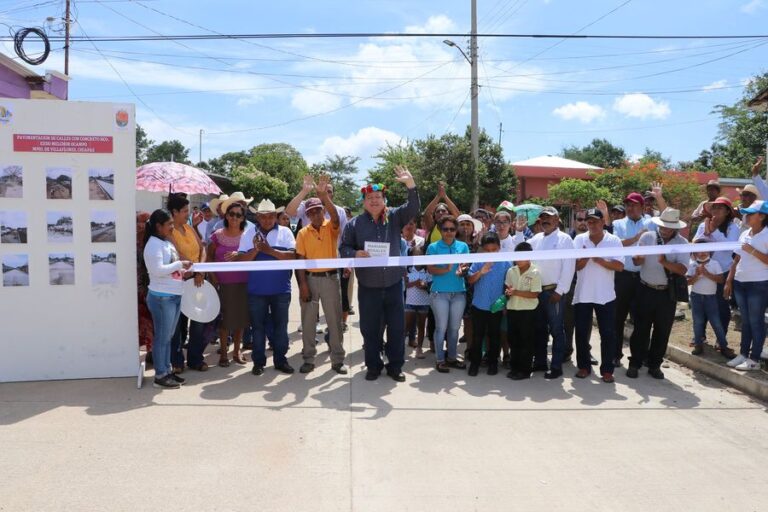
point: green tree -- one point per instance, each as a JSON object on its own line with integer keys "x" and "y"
{"x": 388, "y": 158}
{"x": 742, "y": 134}
{"x": 342, "y": 171}
{"x": 599, "y": 152}
{"x": 143, "y": 142}
{"x": 260, "y": 185}
{"x": 579, "y": 193}
{"x": 654, "y": 157}
{"x": 226, "y": 163}
{"x": 281, "y": 161}
{"x": 166, "y": 151}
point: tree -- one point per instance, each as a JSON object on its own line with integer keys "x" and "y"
{"x": 142, "y": 145}
{"x": 599, "y": 152}
{"x": 281, "y": 161}
{"x": 579, "y": 193}
{"x": 654, "y": 157}
{"x": 166, "y": 151}
{"x": 742, "y": 134}
{"x": 384, "y": 172}
{"x": 260, "y": 185}
{"x": 342, "y": 171}
{"x": 226, "y": 163}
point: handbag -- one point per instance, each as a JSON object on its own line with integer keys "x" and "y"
{"x": 676, "y": 284}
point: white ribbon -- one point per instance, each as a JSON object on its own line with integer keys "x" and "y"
{"x": 481, "y": 257}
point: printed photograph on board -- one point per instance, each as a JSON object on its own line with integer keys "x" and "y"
{"x": 103, "y": 268}
{"x": 59, "y": 227}
{"x": 58, "y": 183}
{"x": 15, "y": 270}
{"x": 11, "y": 181}
{"x": 103, "y": 226}
{"x": 13, "y": 227}
{"x": 101, "y": 184}
{"x": 61, "y": 268}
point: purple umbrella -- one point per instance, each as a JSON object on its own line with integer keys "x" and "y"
{"x": 174, "y": 177}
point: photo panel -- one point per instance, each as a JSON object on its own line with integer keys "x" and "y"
{"x": 101, "y": 184}
{"x": 61, "y": 268}
{"x": 58, "y": 183}
{"x": 103, "y": 225}
{"x": 103, "y": 268}
{"x": 15, "y": 270}
{"x": 13, "y": 227}
{"x": 11, "y": 181}
{"x": 60, "y": 228}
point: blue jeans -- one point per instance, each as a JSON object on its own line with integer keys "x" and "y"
{"x": 263, "y": 309}
{"x": 195, "y": 346}
{"x": 707, "y": 308}
{"x": 606, "y": 323}
{"x": 723, "y": 305}
{"x": 549, "y": 320}
{"x": 752, "y": 298}
{"x": 165, "y": 315}
{"x": 380, "y": 309}
{"x": 448, "y": 309}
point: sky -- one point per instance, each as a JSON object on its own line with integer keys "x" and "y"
{"x": 352, "y": 96}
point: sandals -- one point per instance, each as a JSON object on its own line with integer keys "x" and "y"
{"x": 224, "y": 362}
{"x": 420, "y": 353}
{"x": 237, "y": 358}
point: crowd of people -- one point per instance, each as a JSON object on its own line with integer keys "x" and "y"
{"x": 505, "y": 312}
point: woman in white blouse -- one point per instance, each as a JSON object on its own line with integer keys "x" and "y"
{"x": 748, "y": 281}
{"x": 165, "y": 271}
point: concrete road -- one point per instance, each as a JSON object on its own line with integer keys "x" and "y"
{"x": 229, "y": 441}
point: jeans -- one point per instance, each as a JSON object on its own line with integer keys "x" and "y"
{"x": 706, "y": 308}
{"x": 484, "y": 322}
{"x": 655, "y": 309}
{"x": 752, "y": 298}
{"x": 382, "y": 309}
{"x": 266, "y": 309}
{"x": 626, "y": 284}
{"x": 195, "y": 346}
{"x": 165, "y": 315}
{"x": 448, "y": 308}
{"x": 606, "y": 323}
{"x": 549, "y": 320}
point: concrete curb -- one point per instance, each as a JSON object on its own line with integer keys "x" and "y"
{"x": 738, "y": 380}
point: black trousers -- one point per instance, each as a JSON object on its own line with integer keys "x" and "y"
{"x": 626, "y": 285}
{"x": 655, "y": 310}
{"x": 485, "y": 322}
{"x": 520, "y": 335}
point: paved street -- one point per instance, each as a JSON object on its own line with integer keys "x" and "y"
{"x": 234, "y": 442}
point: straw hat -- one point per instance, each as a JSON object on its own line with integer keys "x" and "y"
{"x": 236, "y": 197}
{"x": 214, "y": 204}
{"x": 669, "y": 218}
{"x": 265, "y": 206}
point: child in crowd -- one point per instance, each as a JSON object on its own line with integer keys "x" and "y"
{"x": 488, "y": 281}
{"x": 417, "y": 300}
{"x": 523, "y": 286}
{"x": 704, "y": 274}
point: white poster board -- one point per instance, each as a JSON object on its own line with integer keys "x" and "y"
{"x": 67, "y": 240}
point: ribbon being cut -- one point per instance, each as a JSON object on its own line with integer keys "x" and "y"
{"x": 444, "y": 259}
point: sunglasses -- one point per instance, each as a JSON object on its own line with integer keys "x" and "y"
{"x": 235, "y": 215}
{"x": 449, "y": 230}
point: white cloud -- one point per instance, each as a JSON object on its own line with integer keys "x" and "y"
{"x": 641, "y": 106}
{"x": 364, "y": 143}
{"x": 753, "y": 6}
{"x": 719, "y": 84}
{"x": 434, "y": 25}
{"x": 581, "y": 110}
{"x": 314, "y": 101}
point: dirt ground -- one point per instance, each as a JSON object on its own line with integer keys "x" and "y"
{"x": 58, "y": 191}
{"x": 96, "y": 192}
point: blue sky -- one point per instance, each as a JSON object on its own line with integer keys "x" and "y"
{"x": 350, "y": 96}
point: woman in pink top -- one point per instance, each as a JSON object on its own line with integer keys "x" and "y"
{"x": 232, "y": 286}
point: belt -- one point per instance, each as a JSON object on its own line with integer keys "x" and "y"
{"x": 329, "y": 273}
{"x": 655, "y": 286}
{"x": 632, "y": 274}
{"x": 548, "y": 287}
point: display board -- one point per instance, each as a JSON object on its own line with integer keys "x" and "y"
{"x": 67, "y": 240}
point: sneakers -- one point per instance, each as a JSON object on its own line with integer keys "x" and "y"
{"x": 340, "y": 368}
{"x": 748, "y": 365}
{"x": 178, "y": 379}
{"x": 166, "y": 382}
{"x": 736, "y": 361}
{"x": 306, "y": 368}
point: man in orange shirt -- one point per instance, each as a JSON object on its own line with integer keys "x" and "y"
{"x": 319, "y": 240}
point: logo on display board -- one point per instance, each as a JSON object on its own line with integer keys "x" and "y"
{"x": 122, "y": 118}
{"x": 5, "y": 115}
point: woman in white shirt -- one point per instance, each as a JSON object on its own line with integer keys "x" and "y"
{"x": 164, "y": 296}
{"x": 748, "y": 281}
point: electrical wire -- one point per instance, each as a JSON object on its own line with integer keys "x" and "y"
{"x": 18, "y": 45}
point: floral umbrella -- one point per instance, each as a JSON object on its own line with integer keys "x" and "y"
{"x": 174, "y": 177}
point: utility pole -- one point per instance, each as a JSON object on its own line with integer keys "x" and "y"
{"x": 67, "y": 22}
{"x": 200, "y": 153}
{"x": 474, "y": 136}
{"x": 500, "y": 130}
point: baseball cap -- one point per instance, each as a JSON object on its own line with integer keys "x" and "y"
{"x": 549, "y": 210}
{"x": 594, "y": 213}
{"x": 312, "y": 203}
{"x": 634, "y": 197}
{"x": 205, "y": 206}
{"x": 617, "y": 208}
{"x": 756, "y": 207}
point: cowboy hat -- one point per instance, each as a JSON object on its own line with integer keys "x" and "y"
{"x": 669, "y": 218}
{"x": 236, "y": 197}
{"x": 749, "y": 189}
{"x": 265, "y": 206}
{"x": 214, "y": 204}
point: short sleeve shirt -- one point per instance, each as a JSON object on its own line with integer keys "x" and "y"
{"x": 594, "y": 282}
{"x": 651, "y": 270}
{"x": 268, "y": 282}
{"x": 704, "y": 285}
{"x": 750, "y": 268}
{"x": 627, "y": 228}
{"x": 448, "y": 282}
{"x": 529, "y": 281}
{"x": 320, "y": 243}
{"x": 724, "y": 258}
{"x": 490, "y": 286}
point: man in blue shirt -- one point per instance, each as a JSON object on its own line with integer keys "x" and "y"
{"x": 627, "y": 282}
